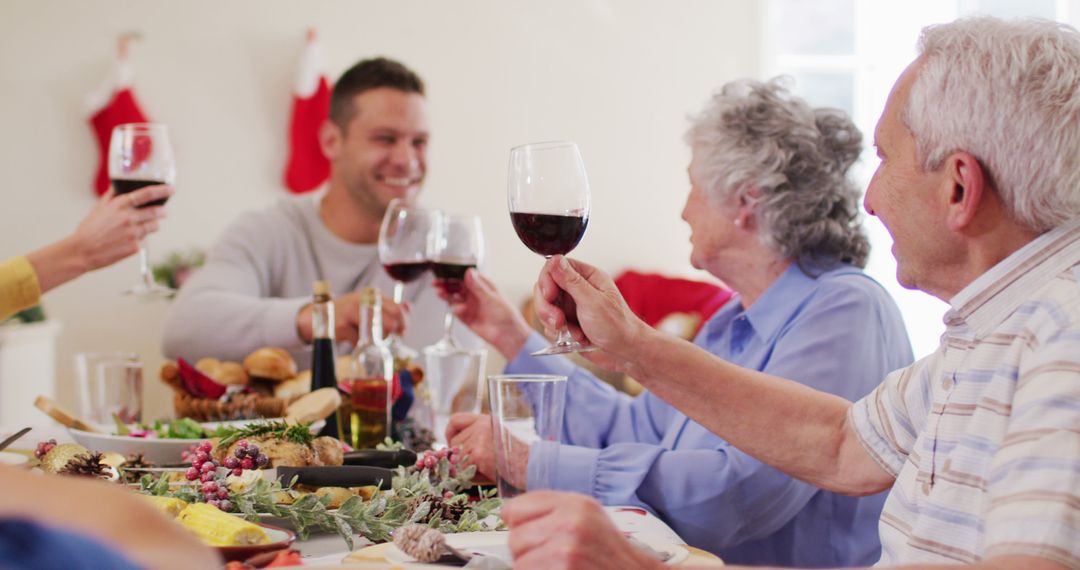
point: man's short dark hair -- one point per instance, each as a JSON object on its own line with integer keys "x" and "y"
{"x": 366, "y": 75}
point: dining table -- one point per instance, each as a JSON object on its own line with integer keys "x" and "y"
{"x": 325, "y": 550}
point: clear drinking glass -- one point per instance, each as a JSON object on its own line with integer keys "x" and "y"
{"x": 109, "y": 383}
{"x": 403, "y": 252}
{"x": 526, "y": 417}
{"x": 454, "y": 381}
{"x": 457, "y": 244}
{"x": 547, "y": 192}
{"x": 140, "y": 155}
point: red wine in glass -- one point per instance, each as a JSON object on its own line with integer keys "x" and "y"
{"x": 406, "y": 272}
{"x": 549, "y": 234}
{"x": 451, "y": 275}
{"x": 126, "y": 185}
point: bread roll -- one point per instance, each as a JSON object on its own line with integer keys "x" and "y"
{"x": 232, "y": 373}
{"x": 170, "y": 375}
{"x": 222, "y": 372}
{"x": 295, "y": 387}
{"x": 270, "y": 363}
{"x": 209, "y": 366}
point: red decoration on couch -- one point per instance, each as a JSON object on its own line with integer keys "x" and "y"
{"x": 652, "y": 297}
{"x": 307, "y": 167}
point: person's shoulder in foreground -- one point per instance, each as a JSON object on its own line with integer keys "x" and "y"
{"x": 989, "y": 419}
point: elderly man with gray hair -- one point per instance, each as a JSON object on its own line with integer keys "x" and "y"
{"x": 978, "y": 443}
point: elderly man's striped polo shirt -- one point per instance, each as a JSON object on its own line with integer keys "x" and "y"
{"x": 983, "y": 436}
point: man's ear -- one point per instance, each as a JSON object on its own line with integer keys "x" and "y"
{"x": 330, "y": 140}
{"x": 967, "y": 189}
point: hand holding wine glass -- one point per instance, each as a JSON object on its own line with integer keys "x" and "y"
{"x": 140, "y": 155}
{"x": 403, "y": 251}
{"x": 457, "y": 244}
{"x": 112, "y": 230}
{"x": 548, "y": 197}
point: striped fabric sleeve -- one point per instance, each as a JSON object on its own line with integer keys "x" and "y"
{"x": 881, "y": 423}
{"x": 19, "y": 287}
{"x": 1034, "y": 478}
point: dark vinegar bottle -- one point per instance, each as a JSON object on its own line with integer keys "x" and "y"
{"x": 323, "y": 374}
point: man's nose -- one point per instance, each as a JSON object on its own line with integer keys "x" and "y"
{"x": 866, "y": 200}
{"x": 405, "y": 155}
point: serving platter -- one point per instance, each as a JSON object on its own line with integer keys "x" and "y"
{"x": 279, "y": 538}
{"x": 158, "y": 450}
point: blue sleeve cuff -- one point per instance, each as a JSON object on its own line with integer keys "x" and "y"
{"x": 573, "y": 468}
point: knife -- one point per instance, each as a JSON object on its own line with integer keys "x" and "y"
{"x": 338, "y": 476}
{"x": 4, "y": 444}
{"x": 381, "y": 458}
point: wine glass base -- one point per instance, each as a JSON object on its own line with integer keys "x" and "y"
{"x": 153, "y": 291}
{"x": 444, "y": 348}
{"x": 399, "y": 349}
{"x": 565, "y": 349}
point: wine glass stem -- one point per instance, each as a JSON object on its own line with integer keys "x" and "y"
{"x": 399, "y": 292}
{"x": 448, "y": 323}
{"x": 144, "y": 265}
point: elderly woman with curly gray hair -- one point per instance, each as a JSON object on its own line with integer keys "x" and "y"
{"x": 774, "y": 215}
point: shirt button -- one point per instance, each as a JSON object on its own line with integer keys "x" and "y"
{"x": 926, "y": 487}
{"x": 947, "y": 383}
{"x": 947, "y": 466}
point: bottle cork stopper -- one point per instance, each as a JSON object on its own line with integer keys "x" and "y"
{"x": 369, "y": 296}
{"x": 322, "y": 288}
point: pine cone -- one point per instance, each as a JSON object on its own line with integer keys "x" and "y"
{"x": 447, "y": 511}
{"x": 423, "y": 543}
{"x": 134, "y": 461}
{"x": 86, "y": 465}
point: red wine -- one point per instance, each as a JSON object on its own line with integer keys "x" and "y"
{"x": 549, "y": 234}
{"x": 406, "y": 272}
{"x": 324, "y": 376}
{"x": 124, "y": 185}
{"x": 451, "y": 275}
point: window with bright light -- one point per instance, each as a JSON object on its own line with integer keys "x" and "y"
{"x": 847, "y": 54}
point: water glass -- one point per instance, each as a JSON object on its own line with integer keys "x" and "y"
{"x": 453, "y": 381}
{"x": 526, "y": 420}
{"x": 108, "y": 384}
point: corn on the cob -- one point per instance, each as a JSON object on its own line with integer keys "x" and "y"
{"x": 217, "y": 528}
{"x": 169, "y": 505}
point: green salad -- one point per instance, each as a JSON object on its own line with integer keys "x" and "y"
{"x": 183, "y": 428}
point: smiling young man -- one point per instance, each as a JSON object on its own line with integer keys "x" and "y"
{"x": 256, "y": 284}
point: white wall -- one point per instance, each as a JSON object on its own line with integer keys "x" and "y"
{"x": 617, "y": 76}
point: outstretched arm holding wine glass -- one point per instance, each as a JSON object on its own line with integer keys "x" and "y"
{"x": 112, "y": 231}
{"x": 486, "y": 312}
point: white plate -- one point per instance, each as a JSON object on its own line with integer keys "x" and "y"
{"x": 494, "y": 543}
{"x": 158, "y": 450}
{"x": 8, "y": 458}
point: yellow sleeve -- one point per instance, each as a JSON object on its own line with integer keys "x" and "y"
{"x": 19, "y": 286}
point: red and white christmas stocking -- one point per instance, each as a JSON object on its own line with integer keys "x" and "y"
{"x": 112, "y": 104}
{"x": 307, "y": 167}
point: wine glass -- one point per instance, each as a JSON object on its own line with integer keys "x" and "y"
{"x": 403, "y": 251}
{"x": 457, "y": 244}
{"x": 140, "y": 155}
{"x": 548, "y": 195}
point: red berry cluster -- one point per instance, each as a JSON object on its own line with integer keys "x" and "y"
{"x": 246, "y": 456}
{"x": 44, "y": 447}
{"x": 205, "y": 470}
{"x": 188, "y": 455}
{"x": 430, "y": 459}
